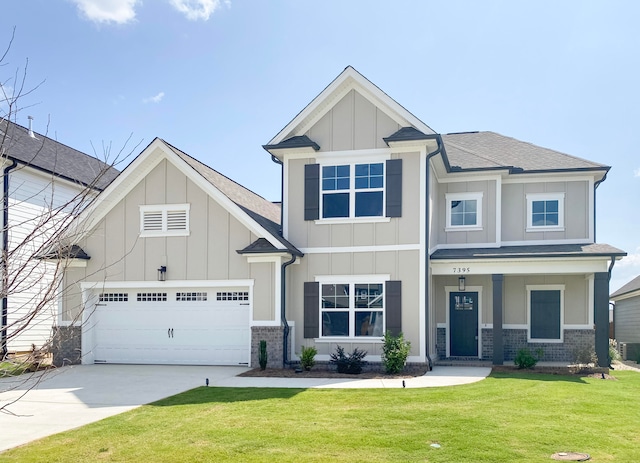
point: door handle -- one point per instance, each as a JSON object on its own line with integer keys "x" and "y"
{"x": 171, "y": 332}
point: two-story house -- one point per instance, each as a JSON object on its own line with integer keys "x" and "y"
{"x": 45, "y": 183}
{"x": 474, "y": 245}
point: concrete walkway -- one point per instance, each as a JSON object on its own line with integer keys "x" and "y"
{"x": 50, "y": 402}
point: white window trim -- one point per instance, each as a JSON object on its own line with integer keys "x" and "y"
{"x": 477, "y": 196}
{"x": 545, "y": 197}
{"x": 164, "y": 209}
{"x": 352, "y": 192}
{"x": 352, "y": 280}
{"x": 545, "y": 288}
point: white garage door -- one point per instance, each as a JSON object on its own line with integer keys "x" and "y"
{"x": 202, "y": 326}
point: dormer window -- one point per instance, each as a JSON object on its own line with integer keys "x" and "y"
{"x": 164, "y": 220}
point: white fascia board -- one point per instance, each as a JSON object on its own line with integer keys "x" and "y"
{"x": 628, "y": 295}
{"x": 518, "y": 266}
{"x": 470, "y": 177}
{"x": 304, "y": 152}
{"x": 348, "y": 80}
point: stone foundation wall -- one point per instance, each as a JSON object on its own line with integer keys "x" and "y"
{"x": 273, "y": 336}
{"x": 65, "y": 345}
{"x": 574, "y": 341}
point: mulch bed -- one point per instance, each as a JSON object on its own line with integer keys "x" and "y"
{"x": 323, "y": 372}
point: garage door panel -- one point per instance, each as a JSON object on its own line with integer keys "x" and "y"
{"x": 182, "y": 329}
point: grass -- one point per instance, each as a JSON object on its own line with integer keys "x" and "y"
{"x": 508, "y": 417}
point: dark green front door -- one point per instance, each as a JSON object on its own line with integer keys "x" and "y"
{"x": 463, "y": 324}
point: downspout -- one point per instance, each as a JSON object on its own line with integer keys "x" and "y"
{"x": 427, "y": 238}
{"x": 5, "y": 252}
{"x": 283, "y": 315}
{"x": 595, "y": 187}
{"x": 283, "y": 281}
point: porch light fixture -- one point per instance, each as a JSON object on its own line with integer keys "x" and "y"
{"x": 461, "y": 285}
{"x": 162, "y": 273}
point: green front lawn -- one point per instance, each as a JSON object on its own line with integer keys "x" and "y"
{"x": 508, "y": 417}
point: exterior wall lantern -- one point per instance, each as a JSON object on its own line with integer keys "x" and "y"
{"x": 162, "y": 273}
{"x": 461, "y": 283}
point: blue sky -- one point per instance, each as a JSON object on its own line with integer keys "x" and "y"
{"x": 218, "y": 79}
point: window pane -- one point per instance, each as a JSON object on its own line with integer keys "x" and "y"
{"x": 457, "y": 219}
{"x": 369, "y": 204}
{"x": 368, "y": 295}
{"x": 537, "y": 207}
{"x": 470, "y": 218}
{"x": 369, "y": 324}
{"x": 328, "y": 171}
{"x": 343, "y": 171}
{"x": 335, "y": 205}
{"x": 376, "y": 169}
{"x": 545, "y": 314}
{"x": 335, "y": 323}
{"x": 343, "y": 183}
{"x": 362, "y": 170}
{"x": 552, "y": 219}
{"x": 376, "y": 182}
{"x": 362, "y": 182}
{"x": 551, "y": 206}
{"x": 537, "y": 220}
{"x": 470, "y": 205}
{"x": 328, "y": 184}
{"x": 335, "y": 296}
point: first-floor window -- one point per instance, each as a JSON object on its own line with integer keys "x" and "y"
{"x": 545, "y": 314}
{"x": 352, "y": 309}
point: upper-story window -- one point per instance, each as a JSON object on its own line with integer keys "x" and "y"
{"x": 545, "y": 211}
{"x": 353, "y": 190}
{"x": 464, "y": 211}
{"x": 164, "y": 220}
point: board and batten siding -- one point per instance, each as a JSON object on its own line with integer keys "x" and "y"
{"x": 576, "y": 210}
{"x": 32, "y": 195}
{"x": 208, "y": 253}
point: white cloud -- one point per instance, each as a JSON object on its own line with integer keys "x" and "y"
{"x": 636, "y": 173}
{"x": 625, "y": 270}
{"x": 154, "y": 99}
{"x": 108, "y": 11}
{"x": 197, "y": 9}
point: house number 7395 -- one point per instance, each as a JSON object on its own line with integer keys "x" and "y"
{"x": 461, "y": 269}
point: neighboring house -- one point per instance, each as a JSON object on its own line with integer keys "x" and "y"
{"x": 626, "y": 319}
{"x": 43, "y": 182}
{"x": 474, "y": 245}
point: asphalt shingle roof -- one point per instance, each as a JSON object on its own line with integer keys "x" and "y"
{"x": 540, "y": 251}
{"x": 490, "y": 150}
{"x": 264, "y": 212}
{"x": 633, "y": 285}
{"x": 46, "y": 154}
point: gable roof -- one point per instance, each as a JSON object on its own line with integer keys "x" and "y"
{"x": 490, "y": 150}
{"x": 50, "y": 156}
{"x": 632, "y": 286}
{"x": 348, "y": 80}
{"x": 260, "y": 216}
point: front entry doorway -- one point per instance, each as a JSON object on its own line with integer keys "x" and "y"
{"x": 463, "y": 324}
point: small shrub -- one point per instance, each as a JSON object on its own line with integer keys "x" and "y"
{"x": 585, "y": 356}
{"x": 262, "y": 355}
{"x": 613, "y": 350}
{"x": 525, "y": 359}
{"x": 395, "y": 351}
{"x": 307, "y": 357}
{"x": 350, "y": 364}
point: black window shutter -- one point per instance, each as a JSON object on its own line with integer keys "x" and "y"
{"x": 311, "y": 309}
{"x": 311, "y": 191}
{"x": 393, "y": 306}
{"x": 394, "y": 187}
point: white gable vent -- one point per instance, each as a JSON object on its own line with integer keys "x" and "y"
{"x": 164, "y": 220}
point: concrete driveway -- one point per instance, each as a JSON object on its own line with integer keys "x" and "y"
{"x": 70, "y": 397}
{"x": 66, "y": 398}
